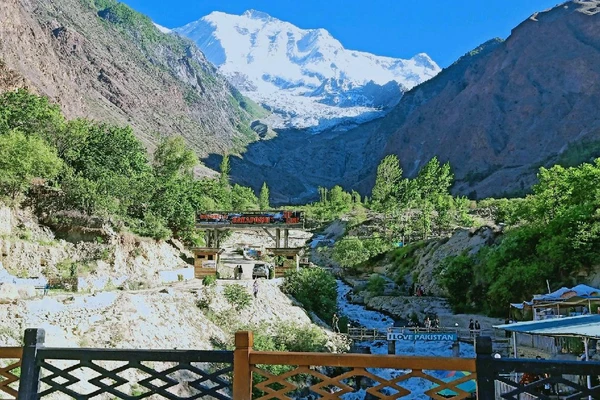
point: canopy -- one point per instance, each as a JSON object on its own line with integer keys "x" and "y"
{"x": 587, "y": 326}
{"x": 522, "y": 305}
{"x": 563, "y": 297}
{"x": 582, "y": 291}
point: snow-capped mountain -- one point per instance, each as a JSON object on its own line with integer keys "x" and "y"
{"x": 306, "y": 77}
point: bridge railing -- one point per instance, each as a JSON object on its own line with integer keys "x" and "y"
{"x": 248, "y": 374}
{"x": 361, "y": 333}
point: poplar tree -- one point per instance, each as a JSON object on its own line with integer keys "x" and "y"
{"x": 263, "y": 198}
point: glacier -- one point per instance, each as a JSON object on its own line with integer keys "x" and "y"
{"x": 305, "y": 77}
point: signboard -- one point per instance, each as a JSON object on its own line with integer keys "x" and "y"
{"x": 274, "y": 218}
{"x": 425, "y": 336}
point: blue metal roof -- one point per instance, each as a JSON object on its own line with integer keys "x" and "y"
{"x": 580, "y": 326}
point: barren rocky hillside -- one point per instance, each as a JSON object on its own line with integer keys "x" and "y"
{"x": 103, "y": 61}
{"x": 529, "y": 101}
{"x": 134, "y": 293}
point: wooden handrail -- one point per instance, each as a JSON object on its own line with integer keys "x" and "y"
{"x": 11, "y": 352}
{"x": 248, "y": 362}
{"x": 361, "y": 361}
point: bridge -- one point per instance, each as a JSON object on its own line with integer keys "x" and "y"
{"x": 38, "y": 372}
{"x": 276, "y": 223}
{"x": 463, "y": 334}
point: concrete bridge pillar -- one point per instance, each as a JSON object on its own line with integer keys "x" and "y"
{"x": 456, "y": 349}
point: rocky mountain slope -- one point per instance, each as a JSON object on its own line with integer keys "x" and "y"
{"x": 91, "y": 251}
{"x": 496, "y": 114}
{"x": 133, "y": 292}
{"x": 529, "y": 101}
{"x": 305, "y": 76}
{"x": 100, "y": 59}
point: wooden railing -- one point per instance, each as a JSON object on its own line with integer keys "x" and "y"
{"x": 10, "y": 370}
{"x": 330, "y": 376}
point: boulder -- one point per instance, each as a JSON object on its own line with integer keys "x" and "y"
{"x": 10, "y": 293}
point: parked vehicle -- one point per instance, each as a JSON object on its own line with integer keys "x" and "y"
{"x": 261, "y": 270}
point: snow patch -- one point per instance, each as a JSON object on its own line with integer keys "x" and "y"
{"x": 162, "y": 28}
{"x": 304, "y": 76}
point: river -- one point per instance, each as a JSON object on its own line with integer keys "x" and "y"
{"x": 359, "y": 315}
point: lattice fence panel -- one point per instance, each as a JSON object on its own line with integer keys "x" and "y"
{"x": 10, "y": 369}
{"x": 572, "y": 387}
{"x": 135, "y": 379}
{"x": 333, "y": 383}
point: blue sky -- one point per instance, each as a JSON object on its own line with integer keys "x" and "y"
{"x": 444, "y": 29}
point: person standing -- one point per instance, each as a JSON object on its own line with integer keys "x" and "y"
{"x": 471, "y": 327}
{"x": 334, "y": 323}
{"x": 255, "y": 288}
{"x": 240, "y": 271}
{"x": 477, "y": 328}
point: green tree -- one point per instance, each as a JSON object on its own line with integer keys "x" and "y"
{"x": 323, "y": 195}
{"x": 356, "y": 198}
{"x": 387, "y": 184}
{"x": 225, "y": 170}
{"x": 30, "y": 114}
{"x": 263, "y": 198}
{"x": 243, "y": 198}
{"x": 23, "y": 158}
{"x": 349, "y": 252}
{"x": 315, "y": 288}
{"x": 433, "y": 179}
{"x": 173, "y": 156}
{"x": 457, "y": 277}
{"x": 339, "y": 201}
{"x": 376, "y": 285}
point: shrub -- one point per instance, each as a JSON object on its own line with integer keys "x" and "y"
{"x": 67, "y": 268}
{"x": 457, "y": 277}
{"x": 286, "y": 337}
{"x": 376, "y": 285}
{"x": 209, "y": 280}
{"x": 237, "y": 296}
{"x": 295, "y": 337}
{"x": 203, "y": 303}
{"x": 25, "y": 235}
{"x": 315, "y": 288}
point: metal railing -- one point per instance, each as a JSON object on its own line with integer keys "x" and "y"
{"x": 123, "y": 374}
{"x": 361, "y": 333}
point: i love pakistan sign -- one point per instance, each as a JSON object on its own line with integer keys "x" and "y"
{"x": 425, "y": 336}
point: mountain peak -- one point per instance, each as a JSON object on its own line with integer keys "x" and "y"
{"x": 305, "y": 76}
{"x": 255, "y": 14}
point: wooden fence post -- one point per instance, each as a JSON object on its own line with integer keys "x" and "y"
{"x": 29, "y": 381}
{"x": 242, "y": 371}
{"x": 486, "y": 376}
